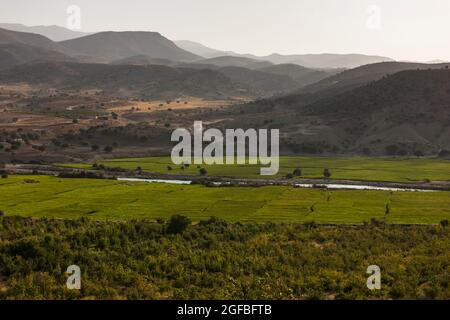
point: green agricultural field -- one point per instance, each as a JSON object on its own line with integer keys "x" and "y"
{"x": 44, "y": 196}
{"x": 357, "y": 168}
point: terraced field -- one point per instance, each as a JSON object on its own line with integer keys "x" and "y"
{"x": 45, "y": 196}
{"x": 357, "y": 168}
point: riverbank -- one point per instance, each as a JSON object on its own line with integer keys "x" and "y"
{"x": 53, "y": 170}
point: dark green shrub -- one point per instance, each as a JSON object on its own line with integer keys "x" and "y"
{"x": 177, "y": 224}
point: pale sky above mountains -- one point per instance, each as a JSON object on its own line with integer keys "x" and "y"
{"x": 401, "y": 29}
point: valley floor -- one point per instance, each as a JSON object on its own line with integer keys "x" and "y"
{"x": 45, "y": 196}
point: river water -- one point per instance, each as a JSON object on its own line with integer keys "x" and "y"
{"x": 298, "y": 185}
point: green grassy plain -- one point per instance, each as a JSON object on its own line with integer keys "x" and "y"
{"x": 356, "y": 168}
{"x": 45, "y": 196}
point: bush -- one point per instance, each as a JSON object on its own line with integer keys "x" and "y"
{"x": 177, "y": 224}
{"x": 391, "y": 150}
{"x": 444, "y": 154}
{"x": 444, "y": 223}
{"x": 326, "y": 173}
{"x": 297, "y": 172}
{"x": 4, "y": 176}
{"x": 203, "y": 171}
{"x": 208, "y": 258}
{"x": 1, "y": 213}
{"x": 108, "y": 149}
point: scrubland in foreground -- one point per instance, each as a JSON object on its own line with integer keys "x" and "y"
{"x": 218, "y": 260}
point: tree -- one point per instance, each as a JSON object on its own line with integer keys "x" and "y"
{"x": 391, "y": 150}
{"x": 108, "y": 149}
{"x": 94, "y": 147}
{"x": 177, "y": 224}
{"x": 326, "y": 173}
{"x": 203, "y": 171}
{"x": 297, "y": 172}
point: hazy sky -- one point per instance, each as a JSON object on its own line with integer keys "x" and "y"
{"x": 401, "y": 29}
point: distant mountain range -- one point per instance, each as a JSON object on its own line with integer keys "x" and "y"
{"x": 106, "y": 47}
{"x": 250, "y": 77}
{"x": 55, "y": 33}
{"x": 317, "y": 61}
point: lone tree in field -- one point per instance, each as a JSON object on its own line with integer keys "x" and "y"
{"x": 297, "y": 172}
{"x": 326, "y": 173}
{"x": 177, "y": 224}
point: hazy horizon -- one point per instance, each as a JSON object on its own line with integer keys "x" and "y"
{"x": 407, "y": 30}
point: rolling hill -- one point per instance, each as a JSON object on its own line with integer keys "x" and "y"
{"x": 154, "y": 81}
{"x": 15, "y": 54}
{"x": 111, "y": 46}
{"x": 143, "y": 60}
{"x": 303, "y": 76}
{"x": 406, "y": 113}
{"x": 353, "y": 78}
{"x": 151, "y": 81}
{"x": 229, "y": 61}
{"x": 262, "y": 83}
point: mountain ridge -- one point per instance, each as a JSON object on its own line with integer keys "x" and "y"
{"x": 53, "y": 32}
{"x": 110, "y": 46}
